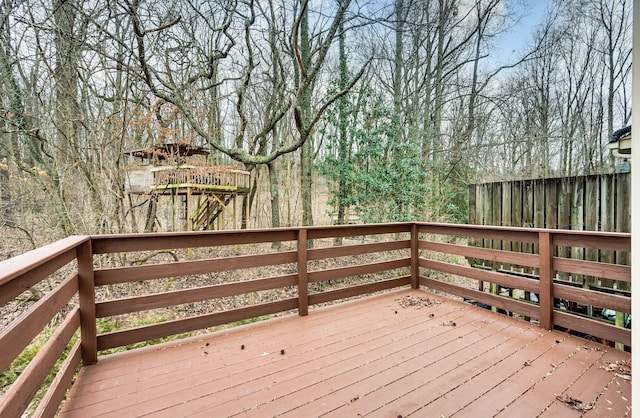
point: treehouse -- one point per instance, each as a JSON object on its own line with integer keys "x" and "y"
{"x": 175, "y": 175}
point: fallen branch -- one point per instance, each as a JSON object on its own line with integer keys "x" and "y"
{"x": 150, "y": 256}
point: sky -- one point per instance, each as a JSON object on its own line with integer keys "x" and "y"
{"x": 511, "y": 44}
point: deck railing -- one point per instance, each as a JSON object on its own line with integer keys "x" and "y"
{"x": 297, "y": 263}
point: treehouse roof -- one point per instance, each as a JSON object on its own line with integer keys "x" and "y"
{"x": 620, "y": 143}
{"x": 168, "y": 151}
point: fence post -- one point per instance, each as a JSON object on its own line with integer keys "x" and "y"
{"x": 303, "y": 291}
{"x": 87, "y": 300}
{"x": 546, "y": 279}
{"x": 415, "y": 267}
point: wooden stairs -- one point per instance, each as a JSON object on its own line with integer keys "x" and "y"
{"x": 204, "y": 216}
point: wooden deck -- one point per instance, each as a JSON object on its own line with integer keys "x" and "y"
{"x": 404, "y": 353}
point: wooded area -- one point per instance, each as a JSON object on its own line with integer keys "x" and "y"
{"x": 396, "y": 106}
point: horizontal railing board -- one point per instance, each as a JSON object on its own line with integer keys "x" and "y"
{"x": 17, "y": 398}
{"x": 514, "y": 229}
{"x": 29, "y": 261}
{"x": 592, "y": 327}
{"x": 48, "y": 406}
{"x": 169, "y": 240}
{"x": 358, "y": 290}
{"x": 178, "y": 297}
{"x": 150, "y": 332}
{"x": 342, "y": 272}
{"x": 508, "y": 304}
{"x": 503, "y": 279}
{"x": 479, "y": 231}
{"x": 341, "y": 231}
{"x": 20, "y": 332}
{"x": 508, "y": 257}
{"x": 593, "y": 268}
{"x": 350, "y": 250}
{"x": 184, "y": 268}
{"x": 616, "y": 241}
{"x": 23, "y": 282}
{"x": 590, "y": 297}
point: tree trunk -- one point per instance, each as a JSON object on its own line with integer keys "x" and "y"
{"x": 306, "y": 151}
{"x": 306, "y": 183}
{"x": 67, "y": 109}
{"x": 343, "y": 141}
{"x": 151, "y": 214}
{"x": 275, "y": 194}
{"x": 247, "y": 202}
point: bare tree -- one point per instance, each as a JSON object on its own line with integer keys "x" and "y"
{"x": 193, "y": 48}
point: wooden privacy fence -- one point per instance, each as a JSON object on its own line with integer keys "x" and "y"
{"x": 591, "y": 203}
{"x": 583, "y": 203}
{"x": 383, "y": 256}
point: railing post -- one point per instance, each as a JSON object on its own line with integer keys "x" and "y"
{"x": 415, "y": 268}
{"x": 87, "y": 298}
{"x": 546, "y": 279}
{"x": 303, "y": 290}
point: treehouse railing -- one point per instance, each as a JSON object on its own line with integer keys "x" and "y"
{"x": 215, "y": 176}
{"x": 299, "y": 264}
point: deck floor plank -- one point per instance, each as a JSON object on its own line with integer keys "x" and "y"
{"x": 438, "y": 380}
{"x": 258, "y": 368}
{"x": 587, "y": 388}
{"x": 436, "y": 370}
{"x": 561, "y": 374}
{"x": 378, "y": 359}
{"x": 512, "y": 388}
{"x": 369, "y": 357}
{"x": 615, "y": 401}
{"x": 353, "y": 345}
{"x": 223, "y": 353}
